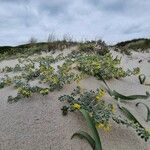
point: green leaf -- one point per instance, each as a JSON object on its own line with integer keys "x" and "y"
{"x": 148, "y": 111}
{"x": 91, "y": 125}
{"x": 129, "y": 115}
{"x": 86, "y": 136}
{"x": 130, "y": 97}
{"x": 117, "y": 95}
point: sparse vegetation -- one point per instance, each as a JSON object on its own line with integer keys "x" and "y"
{"x": 92, "y": 58}
{"x": 83, "y": 63}
{"x": 98, "y": 47}
{"x": 96, "y": 65}
{"x": 138, "y": 45}
{"x": 9, "y": 52}
{"x": 98, "y": 114}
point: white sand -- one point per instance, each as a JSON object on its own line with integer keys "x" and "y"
{"x": 37, "y": 123}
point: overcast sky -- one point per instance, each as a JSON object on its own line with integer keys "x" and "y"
{"x": 110, "y": 20}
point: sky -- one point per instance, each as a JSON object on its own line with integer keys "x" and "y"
{"x": 110, "y": 20}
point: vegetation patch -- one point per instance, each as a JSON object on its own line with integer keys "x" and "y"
{"x": 138, "y": 45}
{"x": 98, "y": 114}
{"x": 88, "y": 61}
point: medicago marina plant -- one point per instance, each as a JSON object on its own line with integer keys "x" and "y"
{"x": 73, "y": 68}
{"x": 98, "y": 114}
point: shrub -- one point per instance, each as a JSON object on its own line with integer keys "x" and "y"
{"x": 106, "y": 65}
{"x": 98, "y": 47}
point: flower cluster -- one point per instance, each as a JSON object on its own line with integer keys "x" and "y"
{"x": 24, "y": 91}
{"x": 44, "y": 91}
{"x": 105, "y": 127}
{"x": 106, "y": 66}
{"x": 76, "y": 106}
{"x": 75, "y": 67}
{"x": 39, "y": 69}
{"x": 100, "y": 94}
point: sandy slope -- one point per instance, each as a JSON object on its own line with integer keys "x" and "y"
{"x": 37, "y": 123}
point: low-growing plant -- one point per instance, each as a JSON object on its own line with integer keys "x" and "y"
{"x": 98, "y": 114}
{"x": 25, "y": 90}
{"x": 75, "y": 67}
{"x": 44, "y": 91}
{"x": 7, "y": 69}
{"x": 106, "y": 65}
{"x": 134, "y": 123}
{"x": 6, "y": 81}
{"x": 92, "y": 102}
{"x": 94, "y": 109}
{"x": 40, "y": 69}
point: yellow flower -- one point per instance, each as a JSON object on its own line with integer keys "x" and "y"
{"x": 113, "y": 109}
{"x": 97, "y": 97}
{"x": 44, "y": 91}
{"x": 105, "y": 127}
{"x": 76, "y": 106}
{"x": 100, "y": 94}
{"x": 99, "y": 125}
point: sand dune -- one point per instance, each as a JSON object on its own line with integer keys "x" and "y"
{"x": 37, "y": 124}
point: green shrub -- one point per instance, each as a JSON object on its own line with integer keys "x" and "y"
{"x": 86, "y": 47}
{"x": 106, "y": 65}
{"x": 94, "y": 47}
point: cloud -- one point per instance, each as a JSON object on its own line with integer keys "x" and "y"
{"x": 111, "y": 20}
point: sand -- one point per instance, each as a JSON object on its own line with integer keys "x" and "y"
{"x": 37, "y": 124}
